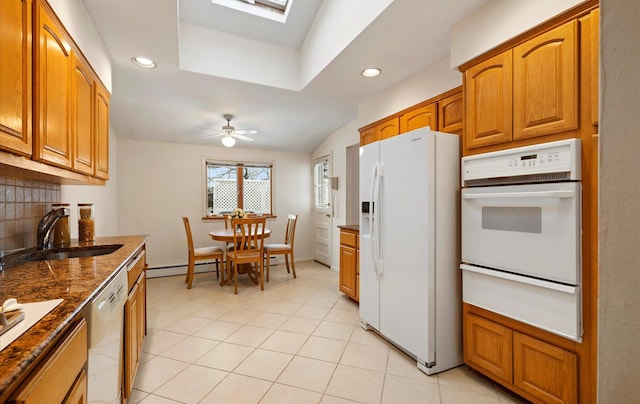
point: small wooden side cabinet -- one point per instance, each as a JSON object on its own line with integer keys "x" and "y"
{"x": 349, "y": 263}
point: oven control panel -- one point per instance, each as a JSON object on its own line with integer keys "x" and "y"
{"x": 545, "y": 158}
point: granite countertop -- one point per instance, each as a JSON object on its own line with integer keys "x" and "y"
{"x": 76, "y": 280}
{"x": 354, "y": 227}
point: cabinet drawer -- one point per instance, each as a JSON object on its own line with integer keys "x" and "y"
{"x": 135, "y": 267}
{"x": 54, "y": 378}
{"x": 349, "y": 239}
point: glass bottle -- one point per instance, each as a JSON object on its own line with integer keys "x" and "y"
{"x": 61, "y": 230}
{"x": 86, "y": 224}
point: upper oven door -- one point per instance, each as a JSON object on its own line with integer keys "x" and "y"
{"x": 529, "y": 229}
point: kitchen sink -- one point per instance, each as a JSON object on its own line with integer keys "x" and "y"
{"x": 32, "y": 254}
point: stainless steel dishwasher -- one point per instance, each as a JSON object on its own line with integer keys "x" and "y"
{"x": 105, "y": 318}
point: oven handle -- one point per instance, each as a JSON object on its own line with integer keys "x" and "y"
{"x": 562, "y": 194}
{"x": 520, "y": 279}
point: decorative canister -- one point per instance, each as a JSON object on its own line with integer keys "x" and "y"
{"x": 61, "y": 230}
{"x": 86, "y": 224}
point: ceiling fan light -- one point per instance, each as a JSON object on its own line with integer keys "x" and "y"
{"x": 228, "y": 141}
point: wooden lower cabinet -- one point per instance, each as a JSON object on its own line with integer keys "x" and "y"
{"x": 349, "y": 271}
{"x": 546, "y": 372}
{"x": 78, "y": 393}
{"x": 135, "y": 320}
{"x": 537, "y": 370}
{"x": 61, "y": 377}
{"x": 488, "y": 346}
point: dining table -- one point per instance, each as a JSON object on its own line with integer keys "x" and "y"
{"x": 227, "y": 236}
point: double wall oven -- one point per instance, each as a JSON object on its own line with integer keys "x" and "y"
{"x": 521, "y": 235}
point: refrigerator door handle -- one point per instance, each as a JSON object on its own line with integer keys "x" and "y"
{"x": 374, "y": 174}
{"x": 377, "y": 259}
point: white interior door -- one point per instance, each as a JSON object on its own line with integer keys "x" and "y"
{"x": 322, "y": 209}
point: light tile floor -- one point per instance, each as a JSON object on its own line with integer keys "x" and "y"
{"x": 298, "y": 341}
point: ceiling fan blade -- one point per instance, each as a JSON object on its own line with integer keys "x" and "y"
{"x": 212, "y": 136}
{"x": 246, "y": 132}
{"x": 242, "y": 137}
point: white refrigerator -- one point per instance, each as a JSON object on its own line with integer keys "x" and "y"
{"x": 410, "y": 284}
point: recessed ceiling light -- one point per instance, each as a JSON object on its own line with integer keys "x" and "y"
{"x": 144, "y": 62}
{"x": 371, "y": 72}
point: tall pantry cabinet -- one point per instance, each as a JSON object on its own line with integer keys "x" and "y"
{"x": 539, "y": 87}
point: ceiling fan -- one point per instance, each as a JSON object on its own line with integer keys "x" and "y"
{"x": 230, "y": 134}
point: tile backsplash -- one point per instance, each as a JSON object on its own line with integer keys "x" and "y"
{"x": 23, "y": 202}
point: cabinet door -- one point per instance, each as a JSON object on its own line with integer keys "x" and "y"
{"x": 488, "y": 346}
{"x": 450, "y": 113}
{"x": 388, "y": 128}
{"x": 78, "y": 393}
{"x": 15, "y": 76}
{"x": 544, "y": 371}
{"x": 131, "y": 359}
{"x": 348, "y": 275}
{"x": 141, "y": 317}
{"x": 82, "y": 116}
{"x": 419, "y": 118}
{"x": 545, "y": 83}
{"x": 488, "y": 105}
{"x": 101, "y": 118}
{"x": 369, "y": 136}
{"x": 53, "y": 67}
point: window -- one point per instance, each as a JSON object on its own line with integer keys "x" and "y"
{"x": 321, "y": 184}
{"x": 232, "y": 185}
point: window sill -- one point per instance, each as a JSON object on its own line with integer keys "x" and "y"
{"x": 214, "y": 218}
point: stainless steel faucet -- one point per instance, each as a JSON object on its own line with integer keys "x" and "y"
{"x": 46, "y": 225}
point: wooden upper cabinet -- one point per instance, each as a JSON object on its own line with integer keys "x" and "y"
{"x": 101, "y": 119}
{"x": 82, "y": 128}
{"x": 545, "y": 371}
{"x": 419, "y": 118}
{"x": 450, "y": 114}
{"x": 388, "y": 128}
{"x": 545, "y": 83}
{"x": 488, "y": 102}
{"x": 15, "y": 76}
{"x": 52, "y": 81}
{"x": 595, "y": 68}
{"x": 369, "y": 135}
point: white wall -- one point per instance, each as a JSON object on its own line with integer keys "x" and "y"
{"x": 619, "y": 211}
{"x": 336, "y": 145}
{"x": 104, "y": 198}
{"x": 499, "y": 21}
{"x": 427, "y": 83}
{"x": 158, "y": 183}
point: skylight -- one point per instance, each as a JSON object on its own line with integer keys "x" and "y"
{"x": 275, "y": 10}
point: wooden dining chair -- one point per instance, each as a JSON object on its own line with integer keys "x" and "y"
{"x": 199, "y": 254}
{"x": 248, "y": 248}
{"x": 286, "y": 248}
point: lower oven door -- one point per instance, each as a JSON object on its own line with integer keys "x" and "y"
{"x": 547, "y": 305}
{"x": 531, "y": 229}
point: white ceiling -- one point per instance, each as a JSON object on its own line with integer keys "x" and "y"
{"x": 214, "y": 60}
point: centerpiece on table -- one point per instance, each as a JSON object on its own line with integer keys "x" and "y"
{"x": 237, "y": 214}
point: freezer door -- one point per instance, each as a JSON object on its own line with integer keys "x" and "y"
{"x": 369, "y": 286}
{"x": 406, "y": 212}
